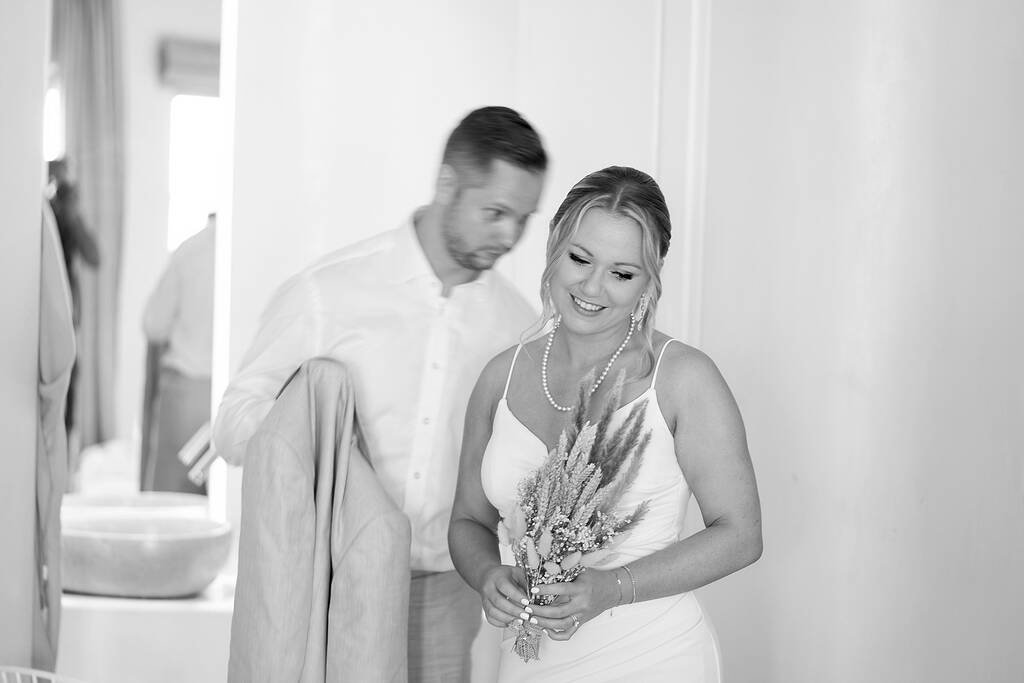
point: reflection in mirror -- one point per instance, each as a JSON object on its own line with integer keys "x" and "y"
{"x": 178, "y": 322}
{"x": 133, "y": 409}
{"x": 133, "y": 124}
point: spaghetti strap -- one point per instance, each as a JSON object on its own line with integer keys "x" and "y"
{"x": 657, "y": 366}
{"x": 508, "y": 380}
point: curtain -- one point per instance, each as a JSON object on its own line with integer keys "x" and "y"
{"x": 86, "y": 50}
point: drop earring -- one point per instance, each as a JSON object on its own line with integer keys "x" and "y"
{"x": 641, "y": 309}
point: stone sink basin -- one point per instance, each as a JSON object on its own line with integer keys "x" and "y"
{"x": 142, "y": 545}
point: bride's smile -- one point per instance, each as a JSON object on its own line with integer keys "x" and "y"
{"x": 586, "y": 306}
{"x": 601, "y": 275}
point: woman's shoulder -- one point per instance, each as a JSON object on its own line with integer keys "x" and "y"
{"x": 496, "y": 372}
{"x": 684, "y": 368}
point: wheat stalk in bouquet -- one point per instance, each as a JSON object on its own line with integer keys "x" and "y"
{"x": 565, "y": 519}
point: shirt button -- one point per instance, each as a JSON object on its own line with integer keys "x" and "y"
{"x": 435, "y": 365}
{"x": 426, "y": 420}
{"x": 416, "y": 475}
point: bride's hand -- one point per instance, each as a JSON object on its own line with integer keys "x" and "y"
{"x": 591, "y": 593}
{"x": 503, "y": 595}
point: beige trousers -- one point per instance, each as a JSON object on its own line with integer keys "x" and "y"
{"x": 444, "y": 617}
{"x": 182, "y": 407}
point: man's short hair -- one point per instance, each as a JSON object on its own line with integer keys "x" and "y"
{"x": 491, "y": 133}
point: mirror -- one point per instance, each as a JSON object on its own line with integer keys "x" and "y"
{"x": 138, "y": 230}
{"x": 133, "y": 128}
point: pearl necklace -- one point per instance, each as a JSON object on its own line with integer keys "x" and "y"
{"x": 604, "y": 373}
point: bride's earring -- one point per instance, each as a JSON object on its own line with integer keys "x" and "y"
{"x": 641, "y": 309}
{"x": 549, "y": 303}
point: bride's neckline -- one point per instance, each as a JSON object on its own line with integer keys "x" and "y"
{"x": 547, "y": 449}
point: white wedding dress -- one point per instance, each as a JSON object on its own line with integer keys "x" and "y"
{"x": 667, "y": 639}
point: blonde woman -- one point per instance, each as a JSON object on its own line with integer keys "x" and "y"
{"x": 634, "y": 616}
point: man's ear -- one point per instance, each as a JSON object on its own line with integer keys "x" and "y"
{"x": 447, "y": 185}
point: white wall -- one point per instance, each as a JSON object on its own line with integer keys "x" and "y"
{"x": 147, "y": 137}
{"x": 863, "y": 296}
{"x": 24, "y": 36}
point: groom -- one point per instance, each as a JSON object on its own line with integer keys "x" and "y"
{"x": 415, "y": 313}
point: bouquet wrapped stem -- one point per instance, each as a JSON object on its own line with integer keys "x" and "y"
{"x": 565, "y": 519}
{"x": 528, "y": 636}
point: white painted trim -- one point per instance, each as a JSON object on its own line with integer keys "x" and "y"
{"x": 217, "y": 483}
{"x": 659, "y": 71}
{"x": 695, "y": 196}
{"x": 680, "y": 162}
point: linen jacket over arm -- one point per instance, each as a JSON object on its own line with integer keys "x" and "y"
{"x": 323, "y": 559}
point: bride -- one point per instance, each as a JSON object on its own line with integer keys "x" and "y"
{"x": 632, "y": 615}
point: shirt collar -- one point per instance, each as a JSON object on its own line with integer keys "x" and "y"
{"x": 412, "y": 263}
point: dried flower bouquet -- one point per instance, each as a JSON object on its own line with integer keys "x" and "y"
{"x": 565, "y": 521}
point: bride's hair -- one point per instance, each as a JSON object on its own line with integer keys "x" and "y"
{"x": 622, "y": 191}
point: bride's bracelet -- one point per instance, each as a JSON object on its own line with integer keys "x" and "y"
{"x": 632, "y": 582}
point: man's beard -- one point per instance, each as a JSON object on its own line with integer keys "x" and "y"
{"x": 455, "y": 245}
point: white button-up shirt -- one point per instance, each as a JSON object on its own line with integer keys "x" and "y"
{"x": 414, "y": 357}
{"x": 180, "y": 309}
